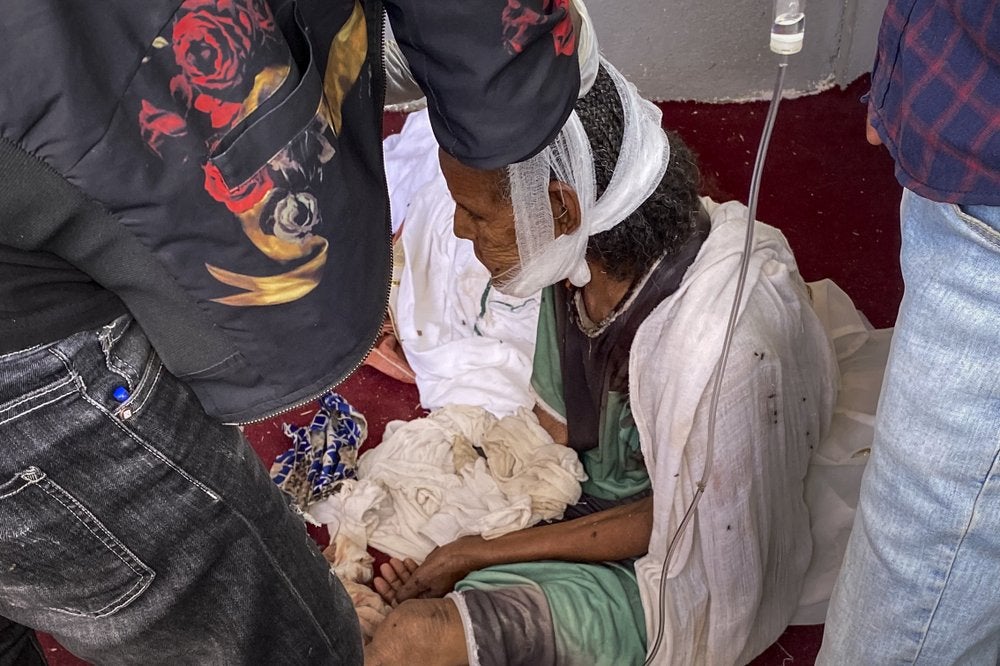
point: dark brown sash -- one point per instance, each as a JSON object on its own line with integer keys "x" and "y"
{"x": 593, "y": 366}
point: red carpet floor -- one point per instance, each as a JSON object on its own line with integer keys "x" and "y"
{"x": 833, "y": 195}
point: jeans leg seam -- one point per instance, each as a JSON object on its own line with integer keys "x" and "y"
{"x": 284, "y": 577}
{"x": 951, "y": 565}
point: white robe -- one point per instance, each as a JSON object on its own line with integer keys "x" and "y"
{"x": 736, "y": 578}
{"x": 466, "y": 343}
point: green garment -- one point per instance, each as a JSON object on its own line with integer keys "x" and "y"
{"x": 615, "y": 468}
{"x": 596, "y": 610}
{"x": 597, "y": 617}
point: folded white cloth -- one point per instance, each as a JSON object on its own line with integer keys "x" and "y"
{"x": 833, "y": 482}
{"x": 456, "y": 472}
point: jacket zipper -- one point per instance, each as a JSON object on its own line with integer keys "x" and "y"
{"x": 380, "y": 51}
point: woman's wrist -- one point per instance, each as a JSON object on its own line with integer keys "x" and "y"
{"x": 473, "y": 551}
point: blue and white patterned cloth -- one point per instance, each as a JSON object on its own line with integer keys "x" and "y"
{"x": 323, "y": 454}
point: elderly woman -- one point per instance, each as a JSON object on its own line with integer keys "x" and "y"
{"x": 639, "y": 279}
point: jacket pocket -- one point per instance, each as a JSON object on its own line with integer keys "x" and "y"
{"x": 55, "y": 554}
{"x": 250, "y": 146}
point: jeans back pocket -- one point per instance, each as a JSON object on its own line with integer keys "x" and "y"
{"x": 55, "y": 555}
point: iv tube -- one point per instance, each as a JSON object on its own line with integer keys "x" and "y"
{"x": 789, "y": 26}
{"x": 787, "y": 33}
{"x": 653, "y": 651}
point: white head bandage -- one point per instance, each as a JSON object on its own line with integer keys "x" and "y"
{"x": 642, "y": 161}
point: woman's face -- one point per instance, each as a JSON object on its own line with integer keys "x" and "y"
{"x": 483, "y": 215}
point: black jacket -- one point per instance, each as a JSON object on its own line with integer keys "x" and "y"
{"x": 214, "y": 168}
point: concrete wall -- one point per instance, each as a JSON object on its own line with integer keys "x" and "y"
{"x": 717, "y": 50}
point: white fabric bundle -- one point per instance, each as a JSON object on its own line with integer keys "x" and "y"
{"x": 440, "y": 489}
{"x": 458, "y": 471}
{"x": 546, "y": 259}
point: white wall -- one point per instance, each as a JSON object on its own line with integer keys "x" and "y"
{"x": 717, "y": 50}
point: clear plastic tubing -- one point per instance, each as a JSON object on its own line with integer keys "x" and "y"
{"x": 789, "y": 26}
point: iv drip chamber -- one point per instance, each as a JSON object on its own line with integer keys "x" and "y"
{"x": 788, "y": 28}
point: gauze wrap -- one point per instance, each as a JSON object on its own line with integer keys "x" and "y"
{"x": 642, "y": 161}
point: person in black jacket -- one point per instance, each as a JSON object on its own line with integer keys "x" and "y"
{"x": 194, "y": 231}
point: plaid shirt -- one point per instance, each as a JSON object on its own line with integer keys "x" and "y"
{"x": 935, "y": 97}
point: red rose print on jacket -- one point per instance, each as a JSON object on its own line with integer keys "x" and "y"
{"x": 523, "y": 23}
{"x": 222, "y": 60}
{"x": 157, "y": 124}
{"x": 211, "y": 44}
{"x": 563, "y": 34}
{"x": 221, "y": 114}
{"x": 238, "y": 199}
{"x": 219, "y": 49}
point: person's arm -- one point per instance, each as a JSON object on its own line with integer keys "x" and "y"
{"x": 556, "y": 428}
{"x": 610, "y": 535}
{"x": 500, "y": 77}
{"x": 402, "y": 88}
{"x": 870, "y": 132}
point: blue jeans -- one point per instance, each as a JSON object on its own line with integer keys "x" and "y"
{"x": 921, "y": 579}
{"x": 142, "y": 531}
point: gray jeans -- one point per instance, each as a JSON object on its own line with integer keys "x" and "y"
{"x": 135, "y": 529}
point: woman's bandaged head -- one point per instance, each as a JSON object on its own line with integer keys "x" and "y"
{"x": 642, "y": 161}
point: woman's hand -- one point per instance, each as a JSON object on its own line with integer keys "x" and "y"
{"x": 445, "y": 566}
{"x": 609, "y": 535}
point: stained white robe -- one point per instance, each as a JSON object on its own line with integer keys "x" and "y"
{"x": 742, "y": 564}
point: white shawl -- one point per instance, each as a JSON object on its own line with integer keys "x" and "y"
{"x": 735, "y": 581}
